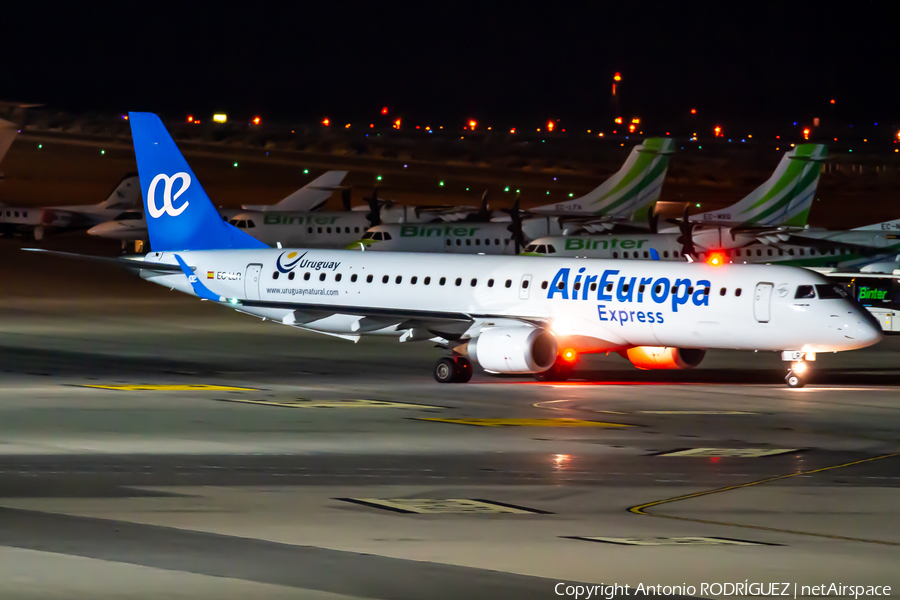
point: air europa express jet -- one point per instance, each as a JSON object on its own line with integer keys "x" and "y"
{"x": 508, "y": 314}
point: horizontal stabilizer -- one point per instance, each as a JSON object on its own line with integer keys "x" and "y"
{"x": 127, "y": 263}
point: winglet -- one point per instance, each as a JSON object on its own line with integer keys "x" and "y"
{"x": 201, "y": 290}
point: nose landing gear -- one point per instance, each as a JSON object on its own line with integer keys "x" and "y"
{"x": 800, "y": 368}
{"x": 455, "y": 369}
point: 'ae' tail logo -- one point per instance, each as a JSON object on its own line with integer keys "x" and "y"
{"x": 167, "y": 200}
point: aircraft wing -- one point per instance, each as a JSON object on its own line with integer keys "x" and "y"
{"x": 826, "y": 244}
{"x": 128, "y": 263}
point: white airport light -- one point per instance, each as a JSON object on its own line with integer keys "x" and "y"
{"x": 220, "y": 117}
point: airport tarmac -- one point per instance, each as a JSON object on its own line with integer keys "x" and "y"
{"x": 156, "y": 445}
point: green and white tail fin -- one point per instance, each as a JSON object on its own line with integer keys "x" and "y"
{"x": 631, "y": 190}
{"x": 784, "y": 199}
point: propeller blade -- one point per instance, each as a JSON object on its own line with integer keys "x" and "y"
{"x": 686, "y": 238}
{"x": 345, "y": 198}
{"x": 374, "y": 214}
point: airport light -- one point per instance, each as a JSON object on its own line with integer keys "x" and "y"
{"x": 631, "y": 128}
{"x": 717, "y": 130}
{"x": 693, "y": 111}
{"x": 190, "y": 118}
{"x": 125, "y": 117}
{"x": 397, "y": 124}
{"x": 618, "y": 120}
{"x": 513, "y": 130}
{"x": 326, "y": 122}
{"x": 384, "y": 110}
{"x": 617, "y": 77}
{"x": 832, "y": 100}
{"x": 506, "y": 189}
{"x": 235, "y": 164}
{"x": 600, "y": 134}
{"x": 257, "y": 120}
{"x": 103, "y": 152}
{"x": 569, "y": 355}
{"x": 306, "y": 171}
{"x": 347, "y": 126}
{"x": 40, "y": 146}
{"x": 472, "y": 124}
{"x": 378, "y": 178}
{"x": 220, "y": 117}
{"x": 441, "y": 184}
{"x": 806, "y": 133}
{"x": 550, "y": 125}
{"x": 636, "y": 121}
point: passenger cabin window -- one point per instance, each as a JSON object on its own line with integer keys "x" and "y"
{"x": 722, "y": 291}
{"x": 353, "y": 278}
{"x": 337, "y": 277}
{"x": 385, "y": 279}
{"x": 524, "y": 284}
{"x": 442, "y": 281}
{"x": 737, "y": 292}
{"x": 275, "y": 275}
{"x": 474, "y": 282}
{"x": 427, "y": 280}
{"x": 291, "y": 275}
{"x": 458, "y": 281}
{"x": 306, "y": 276}
{"x": 413, "y": 280}
{"x": 369, "y": 279}
{"x": 490, "y": 283}
{"x": 322, "y": 277}
{"x": 509, "y": 283}
{"x": 805, "y": 291}
{"x": 398, "y": 279}
{"x": 543, "y": 285}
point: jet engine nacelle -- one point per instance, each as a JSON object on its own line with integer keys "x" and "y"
{"x": 513, "y": 349}
{"x": 658, "y": 357}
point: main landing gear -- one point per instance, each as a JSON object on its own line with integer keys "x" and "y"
{"x": 453, "y": 369}
{"x": 800, "y": 369}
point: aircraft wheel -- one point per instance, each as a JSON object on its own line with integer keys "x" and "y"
{"x": 463, "y": 370}
{"x": 445, "y": 370}
{"x": 793, "y": 380}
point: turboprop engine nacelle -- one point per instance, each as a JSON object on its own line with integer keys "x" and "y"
{"x": 657, "y": 357}
{"x": 513, "y": 349}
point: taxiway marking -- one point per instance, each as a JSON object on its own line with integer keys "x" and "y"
{"x": 349, "y": 403}
{"x": 526, "y": 422}
{"x": 426, "y": 506}
{"x": 177, "y": 387}
{"x": 641, "y": 509}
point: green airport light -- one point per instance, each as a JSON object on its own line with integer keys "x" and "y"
{"x": 40, "y": 146}
{"x": 441, "y": 184}
{"x": 306, "y": 171}
{"x": 506, "y": 189}
{"x": 235, "y": 164}
{"x": 103, "y": 152}
{"x": 548, "y": 192}
{"x": 467, "y": 189}
{"x": 698, "y": 205}
{"x": 378, "y": 178}
{"x": 571, "y": 194}
{"x": 517, "y": 191}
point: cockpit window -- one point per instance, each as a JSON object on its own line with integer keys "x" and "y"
{"x": 387, "y": 236}
{"x": 531, "y": 248}
{"x": 250, "y": 224}
{"x": 378, "y": 236}
{"x": 368, "y": 235}
{"x": 805, "y": 291}
{"x": 551, "y": 249}
{"x": 831, "y": 291}
{"x": 542, "y": 249}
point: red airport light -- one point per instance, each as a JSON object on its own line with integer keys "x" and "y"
{"x": 693, "y": 111}
{"x": 569, "y": 355}
{"x": 384, "y": 110}
{"x": 397, "y": 124}
{"x": 257, "y": 120}
{"x": 472, "y": 124}
{"x": 550, "y": 125}
{"x": 326, "y": 122}
{"x": 618, "y": 120}
{"x": 617, "y": 77}
{"x": 190, "y": 119}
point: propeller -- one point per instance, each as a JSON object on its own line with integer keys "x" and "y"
{"x": 686, "y": 237}
{"x": 345, "y": 198}
{"x": 374, "y": 214}
{"x": 484, "y": 214}
{"x": 515, "y": 215}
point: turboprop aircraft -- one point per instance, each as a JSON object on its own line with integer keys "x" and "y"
{"x": 624, "y": 198}
{"x": 508, "y": 314}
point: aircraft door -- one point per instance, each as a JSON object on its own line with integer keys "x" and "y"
{"x": 251, "y": 282}
{"x": 524, "y": 287}
{"x": 762, "y": 302}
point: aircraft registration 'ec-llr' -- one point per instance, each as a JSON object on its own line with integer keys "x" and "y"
{"x": 509, "y": 314}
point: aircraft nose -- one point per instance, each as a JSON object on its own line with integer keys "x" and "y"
{"x": 97, "y": 229}
{"x": 867, "y": 330}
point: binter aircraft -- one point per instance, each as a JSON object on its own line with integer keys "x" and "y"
{"x": 507, "y": 314}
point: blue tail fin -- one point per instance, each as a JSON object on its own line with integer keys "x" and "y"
{"x": 180, "y": 215}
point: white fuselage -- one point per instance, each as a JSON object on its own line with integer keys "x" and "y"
{"x": 594, "y": 305}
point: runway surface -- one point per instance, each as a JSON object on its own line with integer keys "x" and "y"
{"x": 156, "y": 446}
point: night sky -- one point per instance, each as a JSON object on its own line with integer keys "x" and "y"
{"x": 496, "y": 61}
